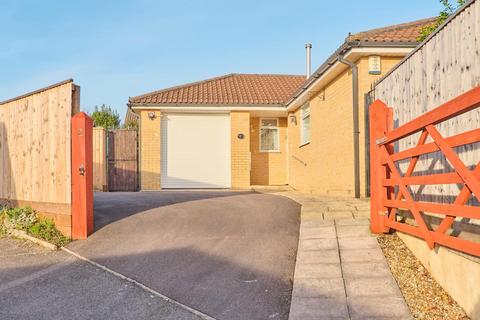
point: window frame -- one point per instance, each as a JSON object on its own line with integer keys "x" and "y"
{"x": 276, "y": 127}
{"x": 302, "y": 118}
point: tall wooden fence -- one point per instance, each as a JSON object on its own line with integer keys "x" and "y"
{"x": 35, "y": 151}
{"x": 444, "y": 67}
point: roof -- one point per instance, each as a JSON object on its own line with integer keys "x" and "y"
{"x": 404, "y": 32}
{"x": 130, "y": 116}
{"x": 230, "y": 89}
{"x": 399, "y": 35}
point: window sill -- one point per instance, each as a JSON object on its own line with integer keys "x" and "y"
{"x": 266, "y": 151}
{"x": 304, "y": 144}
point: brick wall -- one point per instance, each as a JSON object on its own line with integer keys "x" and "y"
{"x": 268, "y": 168}
{"x": 150, "y": 151}
{"x": 240, "y": 123}
{"x": 329, "y": 160}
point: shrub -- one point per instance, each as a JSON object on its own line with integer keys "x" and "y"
{"x": 45, "y": 229}
{"x": 20, "y": 218}
{"x": 3, "y": 229}
{"x": 26, "y": 219}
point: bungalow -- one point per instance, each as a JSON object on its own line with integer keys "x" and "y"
{"x": 224, "y": 132}
{"x": 240, "y": 130}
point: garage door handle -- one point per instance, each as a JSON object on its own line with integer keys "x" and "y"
{"x": 81, "y": 170}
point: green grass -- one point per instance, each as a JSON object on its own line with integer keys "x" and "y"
{"x": 26, "y": 219}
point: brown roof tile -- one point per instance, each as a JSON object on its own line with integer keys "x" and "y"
{"x": 240, "y": 89}
{"x": 404, "y": 32}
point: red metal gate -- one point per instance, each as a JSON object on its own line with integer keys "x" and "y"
{"x": 385, "y": 176}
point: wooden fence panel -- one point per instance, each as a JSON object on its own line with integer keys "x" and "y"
{"x": 35, "y": 151}
{"x": 99, "y": 160}
{"x": 122, "y": 160}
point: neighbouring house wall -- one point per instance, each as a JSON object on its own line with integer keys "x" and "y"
{"x": 99, "y": 160}
{"x": 35, "y": 151}
{"x": 268, "y": 168}
{"x": 364, "y": 85}
{"x": 444, "y": 67}
{"x": 326, "y": 164}
{"x": 150, "y": 151}
{"x": 240, "y": 123}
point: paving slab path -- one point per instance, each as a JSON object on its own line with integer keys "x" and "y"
{"x": 340, "y": 271}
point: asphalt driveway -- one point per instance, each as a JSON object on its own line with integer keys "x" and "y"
{"x": 230, "y": 255}
{"x": 39, "y": 284}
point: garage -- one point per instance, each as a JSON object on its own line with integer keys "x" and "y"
{"x": 195, "y": 150}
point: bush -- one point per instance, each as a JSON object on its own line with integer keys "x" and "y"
{"x": 26, "y": 219}
{"x": 3, "y": 229}
{"x": 45, "y": 229}
{"x": 20, "y": 218}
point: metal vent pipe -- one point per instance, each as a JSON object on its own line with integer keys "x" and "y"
{"x": 308, "y": 48}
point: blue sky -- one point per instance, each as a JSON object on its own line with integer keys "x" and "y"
{"x": 117, "y": 49}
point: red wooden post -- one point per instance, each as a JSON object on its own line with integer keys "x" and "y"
{"x": 380, "y": 118}
{"x": 82, "y": 176}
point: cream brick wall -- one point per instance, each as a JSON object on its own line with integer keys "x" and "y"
{"x": 240, "y": 123}
{"x": 268, "y": 168}
{"x": 364, "y": 86}
{"x": 329, "y": 160}
{"x": 150, "y": 151}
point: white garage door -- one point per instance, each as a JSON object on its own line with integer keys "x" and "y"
{"x": 195, "y": 150}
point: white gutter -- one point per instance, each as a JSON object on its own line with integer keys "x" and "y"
{"x": 305, "y": 95}
{"x": 208, "y": 108}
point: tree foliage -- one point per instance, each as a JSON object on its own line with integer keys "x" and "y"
{"x": 132, "y": 124}
{"x": 448, "y": 9}
{"x": 106, "y": 117}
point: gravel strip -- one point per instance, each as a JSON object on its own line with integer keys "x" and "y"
{"x": 424, "y": 296}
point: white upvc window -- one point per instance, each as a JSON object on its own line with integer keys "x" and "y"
{"x": 305, "y": 124}
{"x": 269, "y": 135}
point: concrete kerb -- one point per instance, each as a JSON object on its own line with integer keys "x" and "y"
{"x": 23, "y": 235}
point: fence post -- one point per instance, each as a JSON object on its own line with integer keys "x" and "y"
{"x": 82, "y": 176}
{"x": 381, "y": 118}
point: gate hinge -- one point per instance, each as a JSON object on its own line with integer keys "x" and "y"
{"x": 383, "y": 213}
{"x": 381, "y": 140}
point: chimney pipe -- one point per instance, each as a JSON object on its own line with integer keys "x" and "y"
{"x": 308, "y": 48}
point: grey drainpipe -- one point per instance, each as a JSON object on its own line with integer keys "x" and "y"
{"x": 356, "y": 131}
